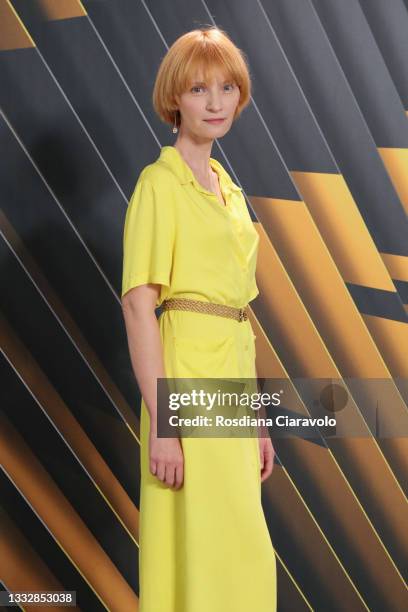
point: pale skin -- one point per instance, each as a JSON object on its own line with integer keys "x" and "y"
{"x": 215, "y": 99}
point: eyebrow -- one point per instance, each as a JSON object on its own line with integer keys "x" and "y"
{"x": 203, "y": 82}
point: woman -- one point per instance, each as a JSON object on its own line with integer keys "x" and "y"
{"x": 191, "y": 247}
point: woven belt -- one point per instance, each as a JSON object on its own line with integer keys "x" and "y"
{"x": 222, "y": 310}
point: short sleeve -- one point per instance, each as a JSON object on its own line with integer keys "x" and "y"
{"x": 253, "y": 291}
{"x": 148, "y": 237}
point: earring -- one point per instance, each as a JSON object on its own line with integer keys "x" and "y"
{"x": 175, "y": 129}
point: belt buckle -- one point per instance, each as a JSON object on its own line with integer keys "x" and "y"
{"x": 242, "y": 315}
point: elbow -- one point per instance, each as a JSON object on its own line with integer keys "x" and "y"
{"x": 132, "y": 306}
{"x": 139, "y": 301}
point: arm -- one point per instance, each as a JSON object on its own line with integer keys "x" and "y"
{"x": 146, "y": 353}
{"x": 144, "y": 341}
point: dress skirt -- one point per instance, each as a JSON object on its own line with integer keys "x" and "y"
{"x": 206, "y": 547}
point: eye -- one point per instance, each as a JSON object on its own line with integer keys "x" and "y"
{"x": 196, "y": 87}
{"x": 230, "y": 85}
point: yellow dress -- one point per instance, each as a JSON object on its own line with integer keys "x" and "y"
{"x": 205, "y": 547}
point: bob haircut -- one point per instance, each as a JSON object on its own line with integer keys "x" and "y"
{"x": 203, "y": 49}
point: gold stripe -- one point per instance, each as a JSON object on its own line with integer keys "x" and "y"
{"x": 13, "y": 33}
{"x": 280, "y": 307}
{"x": 391, "y": 338}
{"x": 71, "y": 534}
{"x": 100, "y": 474}
{"x": 321, "y": 288}
{"x": 397, "y": 266}
{"x": 283, "y": 493}
{"x": 125, "y": 411}
{"x": 63, "y": 9}
{"x": 21, "y": 565}
{"x": 343, "y": 229}
{"x": 396, "y": 163}
{"x": 338, "y": 492}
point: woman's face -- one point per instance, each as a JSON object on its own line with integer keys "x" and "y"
{"x": 217, "y": 99}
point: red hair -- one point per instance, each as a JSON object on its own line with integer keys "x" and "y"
{"x": 204, "y": 49}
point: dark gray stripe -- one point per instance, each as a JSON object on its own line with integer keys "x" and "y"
{"x": 378, "y": 302}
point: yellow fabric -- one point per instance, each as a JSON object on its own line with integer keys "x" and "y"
{"x": 205, "y": 547}
{"x": 179, "y": 235}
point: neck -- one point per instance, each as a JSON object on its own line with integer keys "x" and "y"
{"x": 197, "y": 155}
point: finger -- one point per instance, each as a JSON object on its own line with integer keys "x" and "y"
{"x": 179, "y": 476}
{"x": 169, "y": 478}
{"x": 161, "y": 470}
{"x": 267, "y": 472}
{"x": 267, "y": 467}
{"x": 265, "y": 462}
{"x": 153, "y": 467}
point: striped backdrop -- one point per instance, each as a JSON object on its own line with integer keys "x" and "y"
{"x": 321, "y": 153}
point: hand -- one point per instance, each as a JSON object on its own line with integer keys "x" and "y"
{"x": 266, "y": 453}
{"x": 166, "y": 460}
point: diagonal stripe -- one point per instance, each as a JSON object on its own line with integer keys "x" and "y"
{"x": 63, "y": 9}
{"x": 377, "y": 302}
{"x": 14, "y": 472}
{"x": 69, "y": 430}
{"x": 14, "y": 35}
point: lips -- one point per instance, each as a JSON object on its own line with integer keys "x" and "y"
{"x": 215, "y": 120}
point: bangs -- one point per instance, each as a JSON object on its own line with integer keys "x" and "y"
{"x": 202, "y": 65}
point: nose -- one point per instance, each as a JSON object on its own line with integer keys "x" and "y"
{"x": 214, "y": 100}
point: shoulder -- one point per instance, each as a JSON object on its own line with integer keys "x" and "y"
{"x": 159, "y": 176}
{"x": 155, "y": 190}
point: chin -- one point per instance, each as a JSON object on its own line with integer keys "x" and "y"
{"x": 218, "y": 129}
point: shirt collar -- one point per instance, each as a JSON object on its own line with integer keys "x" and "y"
{"x": 172, "y": 158}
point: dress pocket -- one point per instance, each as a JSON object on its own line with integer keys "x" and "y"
{"x": 205, "y": 357}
